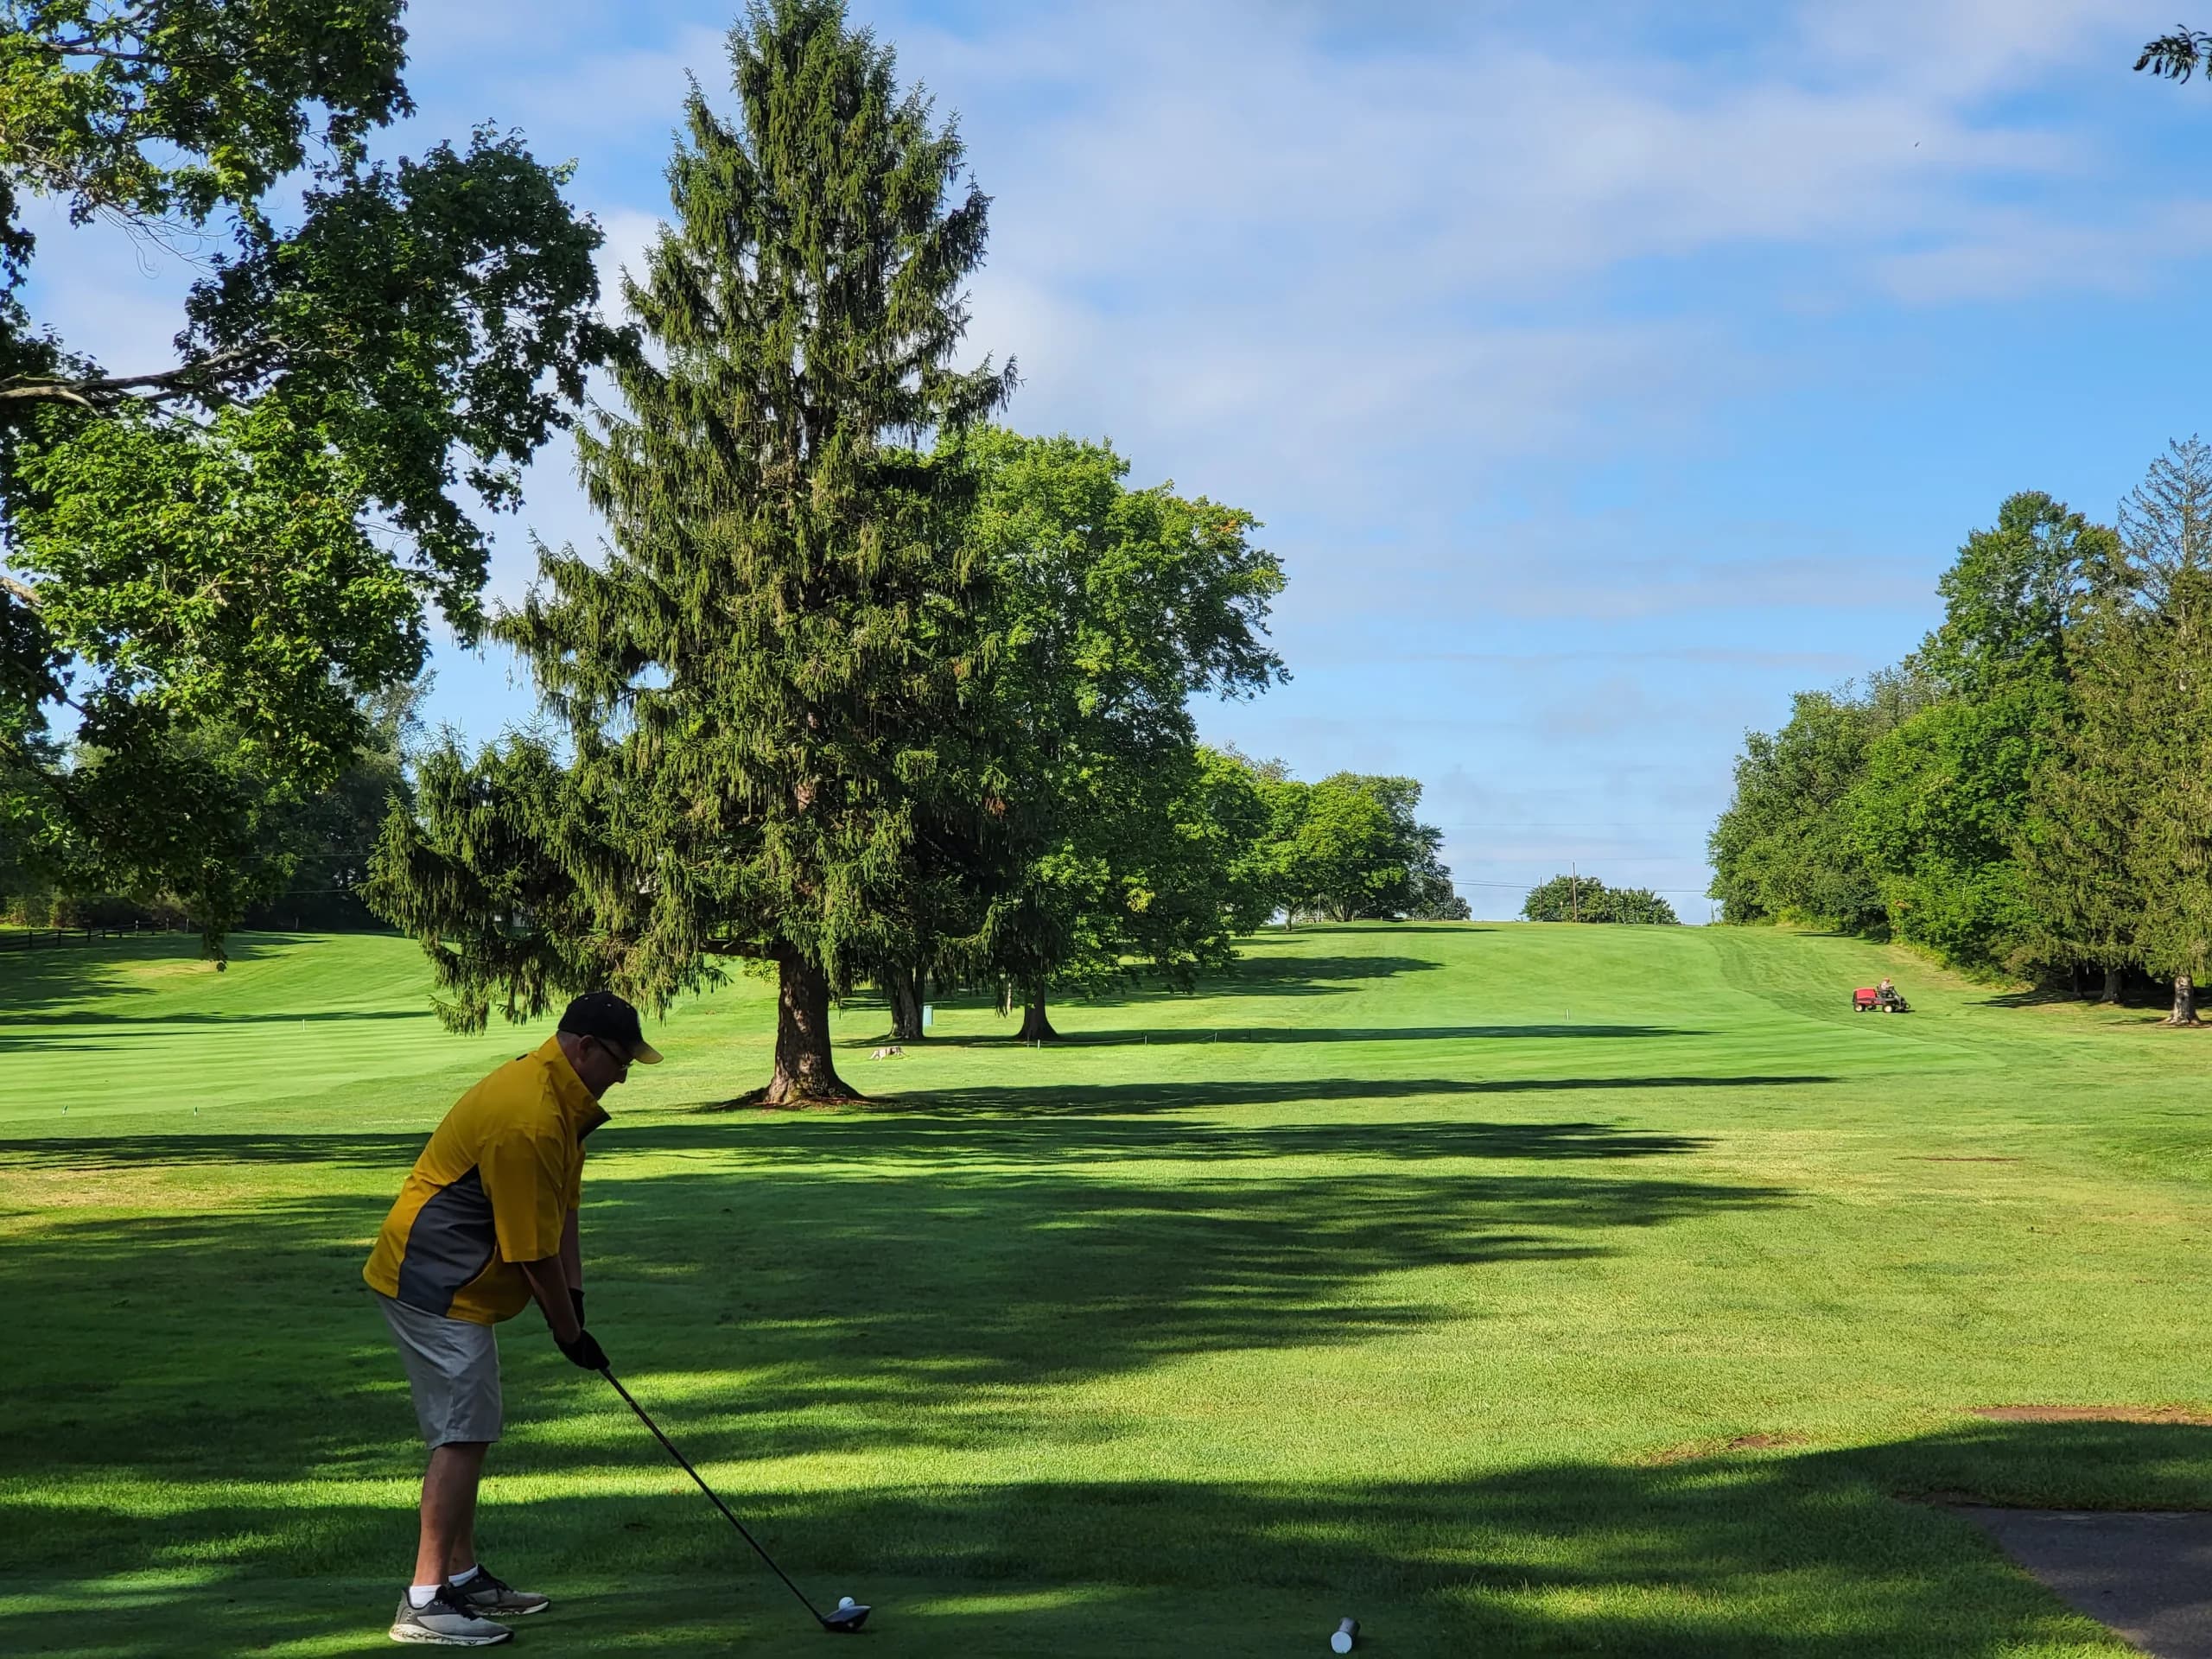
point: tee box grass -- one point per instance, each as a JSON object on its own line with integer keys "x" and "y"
{"x": 1514, "y": 1289}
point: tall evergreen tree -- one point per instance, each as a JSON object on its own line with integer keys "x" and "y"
{"x": 2082, "y": 905}
{"x": 2171, "y": 679}
{"x": 2124, "y": 821}
{"x": 2165, "y": 523}
{"x": 2118, "y": 840}
{"x": 763, "y": 682}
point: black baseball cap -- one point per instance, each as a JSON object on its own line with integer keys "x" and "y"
{"x": 607, "y": 1017}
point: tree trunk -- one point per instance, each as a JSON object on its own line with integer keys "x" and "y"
{"x": 1035, "y": 1027}
{"x": 2112, "y": 986}
{"x": 806, "y": 1072}
{"x": 901, "y": 985}
{"x": 2185, "y": 1012}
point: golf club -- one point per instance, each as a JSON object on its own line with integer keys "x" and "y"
{"x": 850, "y": 1614}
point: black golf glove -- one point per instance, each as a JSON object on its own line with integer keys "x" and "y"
{"x": 585, "y": 1351}
{"x": 576, "y": 1301}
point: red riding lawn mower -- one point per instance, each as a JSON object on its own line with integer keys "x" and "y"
{"x": 1869, "y": 999}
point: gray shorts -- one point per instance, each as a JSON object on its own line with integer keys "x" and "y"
{"x": 453, "y": 1371}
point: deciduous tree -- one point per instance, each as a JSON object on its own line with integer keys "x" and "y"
{"x": 1110, "y": 608}
{"x": 1787, "y": 848}
{"x": 1943, "y": 805}
{"x": 1574, "y": 897}
{"x": 1351, "y": 846}
{"x": 244, "y": 536}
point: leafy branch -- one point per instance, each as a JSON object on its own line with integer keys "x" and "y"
{"x": 2177, "y": 56}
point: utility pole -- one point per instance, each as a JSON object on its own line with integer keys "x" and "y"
{"x": 1574, "y": 891}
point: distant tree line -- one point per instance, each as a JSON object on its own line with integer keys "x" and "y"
{"x": 1157, "y": 887}
{"x": 303, "y": 866}
{"x": 2030, "y": 792}
{"x": 1574, "y": 897}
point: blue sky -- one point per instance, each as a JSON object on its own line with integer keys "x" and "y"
{"x": 1599, "y": 383}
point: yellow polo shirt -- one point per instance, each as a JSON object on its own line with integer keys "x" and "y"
{"x": 494, "y": 1187}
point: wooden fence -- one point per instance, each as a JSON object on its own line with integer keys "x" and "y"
{"x": 38, "y": 938}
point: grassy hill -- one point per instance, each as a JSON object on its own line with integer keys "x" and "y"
{"x": 1514, "y": 1289}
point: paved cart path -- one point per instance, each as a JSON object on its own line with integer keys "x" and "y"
{"x": 2148, "y": 1576}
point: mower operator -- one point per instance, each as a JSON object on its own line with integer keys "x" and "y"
{"x": 486, "y": 1221}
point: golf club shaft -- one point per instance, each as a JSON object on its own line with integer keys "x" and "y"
{"x": 711, "y": 1498}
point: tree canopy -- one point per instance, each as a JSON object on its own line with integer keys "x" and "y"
{"x": 210, "y": 560}
{"x": 1351, "y": 847}
{"x": 1109, "y": 608}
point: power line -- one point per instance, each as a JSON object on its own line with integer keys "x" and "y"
{"x": 1523, "y": 886}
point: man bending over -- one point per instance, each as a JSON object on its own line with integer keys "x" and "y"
{"x": 485, "y": 1222}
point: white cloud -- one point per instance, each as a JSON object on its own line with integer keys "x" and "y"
{"x": 1302, "y": 275}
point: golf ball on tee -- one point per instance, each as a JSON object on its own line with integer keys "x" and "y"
{"x": 844, "y": 1602}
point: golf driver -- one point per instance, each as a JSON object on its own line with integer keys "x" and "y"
{"x": 850, "y": 1614}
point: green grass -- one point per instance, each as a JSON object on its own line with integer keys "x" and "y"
{"x": 1424, "y": 1273}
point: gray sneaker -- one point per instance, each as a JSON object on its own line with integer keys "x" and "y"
{"x": 446, "y": 1621}
{"x": 489, "y": 1596}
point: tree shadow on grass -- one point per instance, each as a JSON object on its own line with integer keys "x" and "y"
{"x": 961, "y": 1140}
{"x": 71, "y": 979}
{"x": 1260, "y": 976}
{"x": 174, "y": 1376}
{"x": 898, "y": 1139}
{"x": 368, "y": 1150}
{"x": 1044, "y": 1123}
{"x": 1807, "y": 1555}
{"x": 1180, "y": 1096}
{"x": 860, "y": 1286}
{"x": 82, "y": 972}
{"x": 1287, "y": 974}
{"x": 2035, "y": 997}
{"x": 170, "y": 1025}
{"x": 1183, "y": 1036}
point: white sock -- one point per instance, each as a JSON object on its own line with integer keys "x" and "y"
{"x": 418, "y": 1595}
{"x": 464, "y": 1575}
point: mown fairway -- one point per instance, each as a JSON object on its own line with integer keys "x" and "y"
{"x": 1514, "y": 1289}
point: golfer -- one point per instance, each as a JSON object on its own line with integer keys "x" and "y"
{"x": 486, "y": 1221}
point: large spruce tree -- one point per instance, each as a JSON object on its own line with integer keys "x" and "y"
{"x": 2117, "y": 846}
{"x": 765, "y": 682}
{"x": 2124, "y": 820}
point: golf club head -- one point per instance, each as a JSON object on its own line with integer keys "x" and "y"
{"x": 846, "y": 1619}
